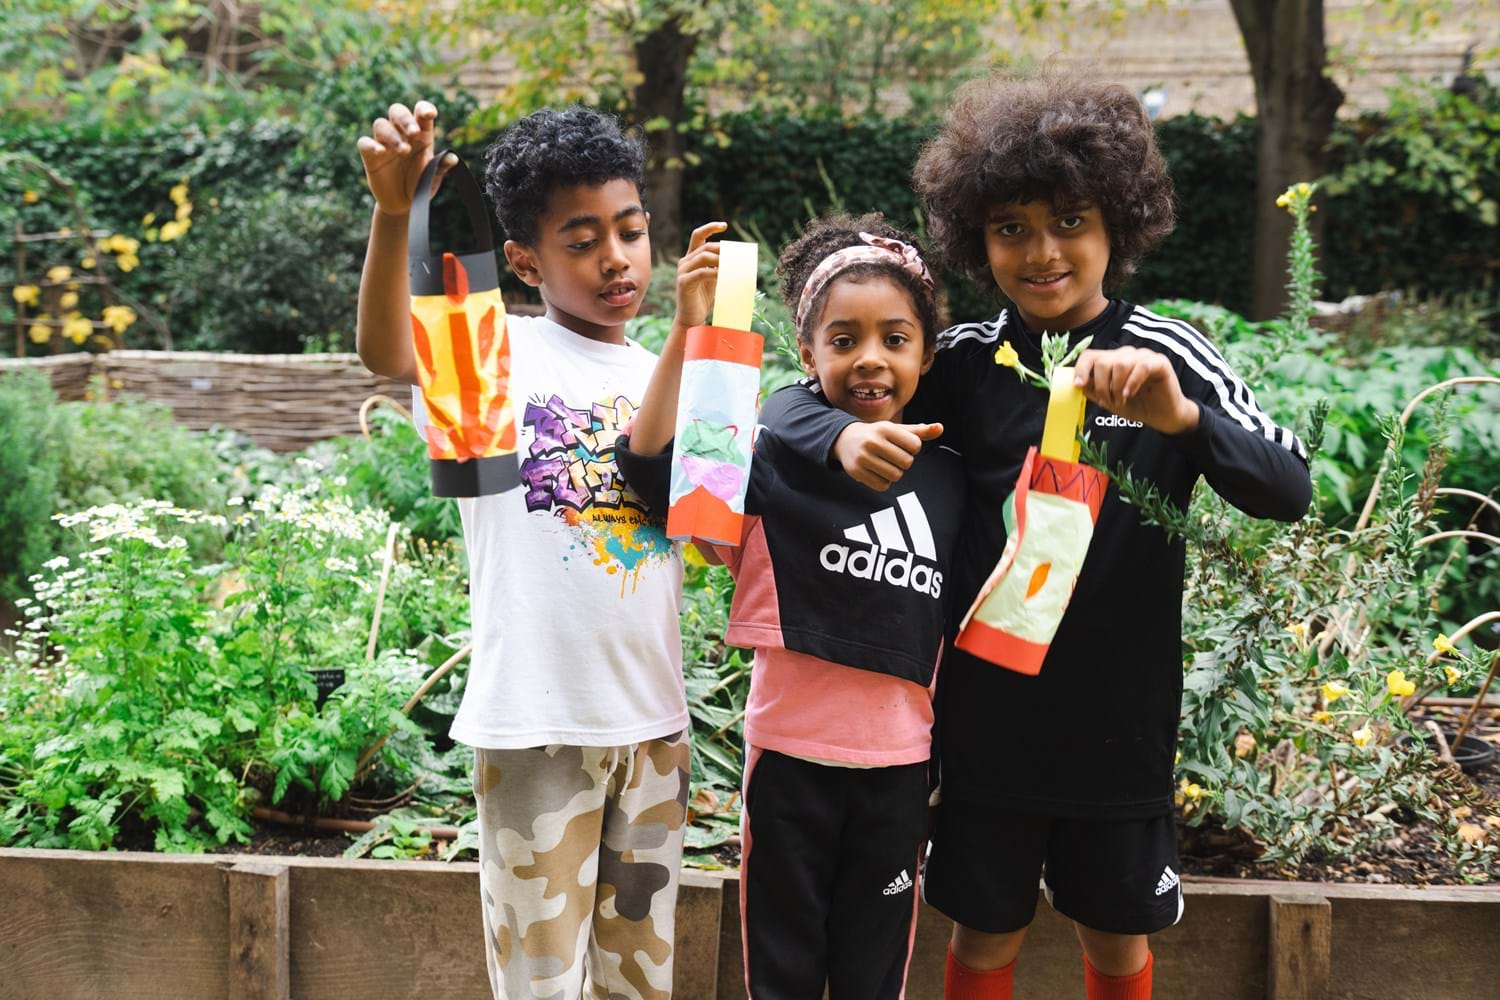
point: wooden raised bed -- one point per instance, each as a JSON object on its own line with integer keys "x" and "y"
{"x": 124, "y": 925}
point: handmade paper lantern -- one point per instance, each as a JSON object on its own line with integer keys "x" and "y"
{"x": 1049, "y": 522}
{"x": 463, "y": 354}
{"x": 716, "y": 409}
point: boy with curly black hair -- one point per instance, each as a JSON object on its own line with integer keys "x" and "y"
{"x": 1053, "y": 190}
{"x": 574, "y": 701}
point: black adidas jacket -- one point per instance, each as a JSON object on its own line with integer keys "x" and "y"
{"x": 827, "y": 567}
{"x": 1096, "y": 733}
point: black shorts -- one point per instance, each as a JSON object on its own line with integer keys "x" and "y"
{"x": 1117, "y": 876}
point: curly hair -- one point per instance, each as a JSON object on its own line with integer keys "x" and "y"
{"x": 551, "y": 149}
{"x": 1059, "y": 138}
{"x": 832, "y": 233}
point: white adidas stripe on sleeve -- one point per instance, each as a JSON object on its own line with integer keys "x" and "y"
{"x": 1235, "y": 398}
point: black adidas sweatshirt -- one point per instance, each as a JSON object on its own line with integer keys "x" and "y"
{"x": 827, "y": 567}
{"x": 1095, "y": 734}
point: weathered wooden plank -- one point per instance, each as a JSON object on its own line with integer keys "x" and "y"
{"x": 695, "y": 960}
{"x": 1439, "y": 945}
{"x": 1298, "y": 958}
{"x": 259, "y": 922}
{"x": 83, "y": 925}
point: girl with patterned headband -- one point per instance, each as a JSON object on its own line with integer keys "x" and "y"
{"x": 841, "y": 593}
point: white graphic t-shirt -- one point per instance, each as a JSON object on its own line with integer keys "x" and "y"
{"x": 575, "y": 595}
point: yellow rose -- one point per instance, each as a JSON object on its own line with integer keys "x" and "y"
{"x": 179, "y": 193}
{"x": 170, "y": 231}
{"x": 69, "y": 300}
{"x": 87, "y": 263}
{"x": 148, "y": 218}
{"x": 184, "y": 210}
{"x": 1397, "y": 684}
{"x": 119, "y": 318}
{"x": 1453, "y": 675}
{"x": 1007, "y": 356}
{"x": 1322, "y": 718}
{"x": 30, "y": 197}
{"x": 77, "y": 328}
{"x": 1362, "y": 736}
{"x": 1442, "y": 644}
{"x": 59, "y": 274}
{"x": 127, "y": 261}
{"x": 39, "y": 333}
{"x": 1333, "y": 691}
{"x": 26, "y": 295}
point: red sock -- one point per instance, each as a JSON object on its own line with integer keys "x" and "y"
{"x": 963, "y": 983}
{"x": 1098, "y": 986}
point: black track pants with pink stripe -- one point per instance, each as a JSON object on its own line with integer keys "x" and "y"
{"x": 828, "y": 888}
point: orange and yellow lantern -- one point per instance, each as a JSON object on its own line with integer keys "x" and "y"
{"x": 463, "y": 353}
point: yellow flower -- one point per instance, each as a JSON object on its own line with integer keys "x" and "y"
{"x": 87, "y": 263}
{"x": 39, "y": 333}
{"x": 179, "y": 193}
{"x": 1283, "y": 201}
{"x": 148, "y": 218}
{"x": 119, "y": 318}
{"x": 1362, "y": 736}
{"x": 30, "y": 197}
{"x": 26, "y": 295}
{"x": 184, "y": 210}
{"x": 59, "y": 274}
{"x": 1333, "y": 691}
{"x": 1322, "y": 718}
{"x": 1397, "y": 684}
{"x": 127, "y": 261}
{"x": 1453, "y": 675}
{"x": 1443, "y": 644}
{"x": 69, "y": 300}
{"x": 1191, "y": 791}
{"x": 170, "y": 232}
{"x": 77, "y": 328}
{"x": 1304, "y": 189}
{"x": 1007, "y": 356}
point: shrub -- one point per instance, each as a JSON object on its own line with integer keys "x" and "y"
{"x": 31, "y": 453}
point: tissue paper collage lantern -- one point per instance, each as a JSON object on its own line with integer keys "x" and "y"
{"x": 716, "y": 409}
{"x": 1049, "y": 522}
{"x": 463, "y": 353}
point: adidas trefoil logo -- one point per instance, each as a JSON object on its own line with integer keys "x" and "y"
{"x": 887, "y": 557}
{"x": 898, "y": 885}
{"x": 1167, "y": 882}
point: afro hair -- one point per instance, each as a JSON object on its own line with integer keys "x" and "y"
{"x": 1067, "y": 140}
{"x": 830, "y": 234}
{"x": 550, "y": 149}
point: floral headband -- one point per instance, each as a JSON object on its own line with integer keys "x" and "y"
{"x": 877, "y": 250}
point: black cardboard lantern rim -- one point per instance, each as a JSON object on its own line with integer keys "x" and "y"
{"x": 425, "y": 272}
{"x": 475, "y": 477}
{"x": 419, "y": 222}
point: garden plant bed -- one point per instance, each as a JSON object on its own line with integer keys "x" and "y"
{"x": 84, "y": 924}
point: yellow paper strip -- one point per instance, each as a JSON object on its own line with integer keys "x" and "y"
{"x": 734, "y": 298}
{"x": 1065, "y": 406}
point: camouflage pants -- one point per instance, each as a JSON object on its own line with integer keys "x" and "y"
{"x": 579, "y": 853}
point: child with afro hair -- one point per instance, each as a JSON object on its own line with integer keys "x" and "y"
{"x": 840, "y": 591}
{"x": 1051, "y": 191}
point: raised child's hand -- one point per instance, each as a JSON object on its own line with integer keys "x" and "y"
{"x": 396, "y": 152}
{"x": 697, "y": 276}
{"x": 1137, "y": 384}
{"x": 877, "y": 454}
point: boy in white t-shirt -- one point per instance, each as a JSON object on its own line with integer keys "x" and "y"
{"x": 574, "y": 703}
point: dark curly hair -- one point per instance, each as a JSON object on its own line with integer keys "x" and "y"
{"x": 1059, "y": 138}
{"x": 832, "y": 233}
{"x": 551, "y": 149}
